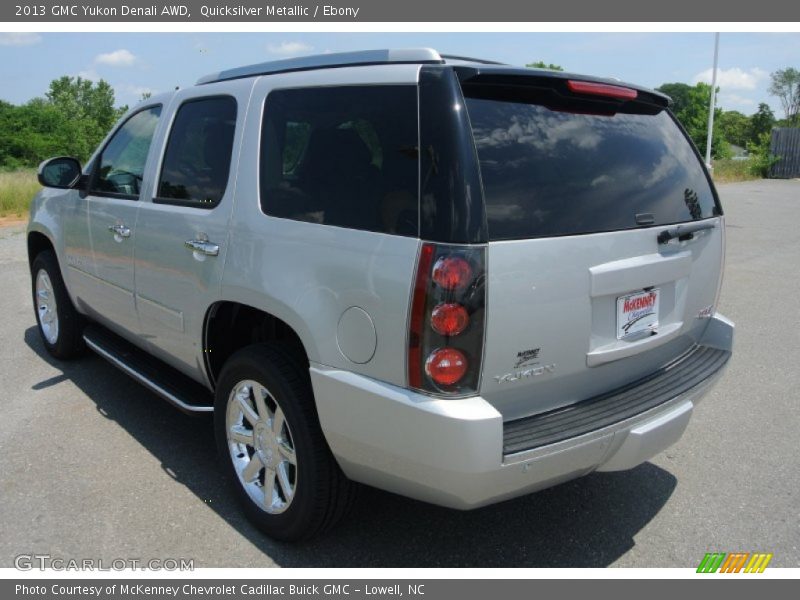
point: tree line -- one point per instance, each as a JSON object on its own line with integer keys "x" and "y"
{"x": 75, "y": 114}
{"x": 71, "y": 119}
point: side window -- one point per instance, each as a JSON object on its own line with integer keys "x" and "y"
{"x": 198, "y": 156}
{"x": 120, "y": 167}
{"x": 344, "y": 156}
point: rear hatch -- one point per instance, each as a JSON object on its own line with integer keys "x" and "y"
{"x": 586, "y": 293}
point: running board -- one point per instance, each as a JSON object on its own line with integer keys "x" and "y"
{"x": 172, "y": 385}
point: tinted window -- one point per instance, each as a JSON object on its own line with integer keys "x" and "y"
{"x": 343, "y": 156}
{"x": 554, "y": 172}
{"x": 198, "y": 156}
{"x": 120, "y": 167}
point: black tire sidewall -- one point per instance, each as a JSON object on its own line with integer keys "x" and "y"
{"x": 69, "y": 342}
{"x": 292, "y": 391}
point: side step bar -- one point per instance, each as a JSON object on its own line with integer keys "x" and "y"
{"x": 172, "y": 385}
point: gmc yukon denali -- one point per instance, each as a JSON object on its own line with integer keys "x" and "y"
{"x": 453, "y": 279}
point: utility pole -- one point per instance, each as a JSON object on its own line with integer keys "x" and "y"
{"x": 712, "y": 103}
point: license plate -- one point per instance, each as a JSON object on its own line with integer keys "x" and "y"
{"x": 637, "y": 313}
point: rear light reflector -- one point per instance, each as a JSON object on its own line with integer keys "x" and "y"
{"x": 602, "y": 89}
{"x": 449, "y": 319}
{"x": 452, "y": 272}
{"x": 418, "y": 302}
{"x": 446, "y": 366}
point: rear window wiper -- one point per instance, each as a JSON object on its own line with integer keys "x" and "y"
{"x": 684, "y": 232}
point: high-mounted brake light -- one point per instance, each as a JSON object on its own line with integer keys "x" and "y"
{"x": 602, "y": 89}
{"x": 445, "y": 341}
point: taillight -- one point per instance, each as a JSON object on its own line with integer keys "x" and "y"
{"x": 445, "y": 344}
{"x": 452, "y": 272}
{"x": 449, "y": 318}
{"x": 446, "y": 366}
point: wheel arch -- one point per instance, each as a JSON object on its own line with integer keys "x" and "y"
{"x": 230, "y": 325}
{"x": 39, "y": 242}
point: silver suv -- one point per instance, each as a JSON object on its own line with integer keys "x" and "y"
{"x": 456, "y": 280}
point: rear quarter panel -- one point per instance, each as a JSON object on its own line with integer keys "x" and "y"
{"x": 308, "y": 274}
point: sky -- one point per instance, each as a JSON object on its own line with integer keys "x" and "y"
{"x": 134, "y": 63}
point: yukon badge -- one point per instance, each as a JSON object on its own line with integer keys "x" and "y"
{"x": 525, "y": 373}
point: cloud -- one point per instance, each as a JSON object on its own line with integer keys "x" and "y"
{"x": 734, "y": 78}
{"x": 730, "y": 101}
{"x": 132, "y": 93}
{"x": 117, "y": 58}
{"x": 19, "y": 39}
{"x": 89, "y": 74}
{"x": 290, "y": 48}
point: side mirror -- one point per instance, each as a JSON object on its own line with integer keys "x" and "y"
{"x": 61, "y": 172}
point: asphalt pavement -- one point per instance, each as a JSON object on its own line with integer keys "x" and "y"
{"x": 94, "y": 466}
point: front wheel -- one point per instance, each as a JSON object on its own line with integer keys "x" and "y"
{"x": 272, "y": 447}
{"x": 60, "y": 325}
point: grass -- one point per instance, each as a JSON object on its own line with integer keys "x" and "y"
{"x": 731, "y": 171}
{"x": 17, "y": 189}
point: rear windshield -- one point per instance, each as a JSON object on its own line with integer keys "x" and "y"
{"x": 550, "y": 172}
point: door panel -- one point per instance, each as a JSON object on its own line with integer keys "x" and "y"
{"x": 552, "y": 323}
{"x": 112, "y": 202}
{"x": 605, "y": 241}
{"x": 192, "y": 204}
{"x": 111, "y": 297}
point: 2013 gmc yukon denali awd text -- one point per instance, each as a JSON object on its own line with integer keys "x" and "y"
{"x": 452, "y": 279}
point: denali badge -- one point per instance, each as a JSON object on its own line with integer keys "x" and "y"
{"x": 525, "y": 373}
{"x": 526, "y": 356}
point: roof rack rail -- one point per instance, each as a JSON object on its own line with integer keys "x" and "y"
{"x": 329, "y": 61}
{"x": 468, "y": 59}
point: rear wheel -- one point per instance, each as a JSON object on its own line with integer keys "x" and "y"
{"x": 60, "y": 325}
{"x": 272, "y": 447}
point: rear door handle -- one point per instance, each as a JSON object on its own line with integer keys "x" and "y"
{"x": 120, "y": 230}
{"x": 202, "y": 247}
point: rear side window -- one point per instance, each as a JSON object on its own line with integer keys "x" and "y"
{"x": 198, "y": 156}
{"x": 344, "y": 156}
{"x": 552, "y": 172}
{"x": 120, "y": 167}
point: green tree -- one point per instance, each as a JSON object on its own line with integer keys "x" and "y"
{"x": 761, "y": 158}
{"x": 681, "y": 95}
{"x": 690, "y": 106}
{"x": 84, "y": 99}
{"x": 761, "y": 122}
{"x": 785, "y": 85}
{"x": 735, "y": 127}
{"x": 540, "y": 64}
{"x": 30, "y": 133}
{"x": 71, "y": 119}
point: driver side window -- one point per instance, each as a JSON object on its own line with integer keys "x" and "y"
{"x": 120, "y": 167}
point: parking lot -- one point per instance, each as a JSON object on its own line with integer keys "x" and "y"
{"x": 94, "y": 466}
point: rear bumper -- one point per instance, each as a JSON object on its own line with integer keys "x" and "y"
{"x": 456, "y": 453}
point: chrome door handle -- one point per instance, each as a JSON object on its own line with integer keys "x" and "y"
{"x": 203, "y": 247}
{"x": 120, "y": 230}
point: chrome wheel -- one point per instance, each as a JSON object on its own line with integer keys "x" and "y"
{"x": 261, "y": 446}
{"x": 46, "y": 307}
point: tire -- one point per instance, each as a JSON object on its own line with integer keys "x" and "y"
{"x": 289, "y": 501}
{"x": 60, "y": 325}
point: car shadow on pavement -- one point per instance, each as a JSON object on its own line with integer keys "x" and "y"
{"x": 589, "y": 522}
